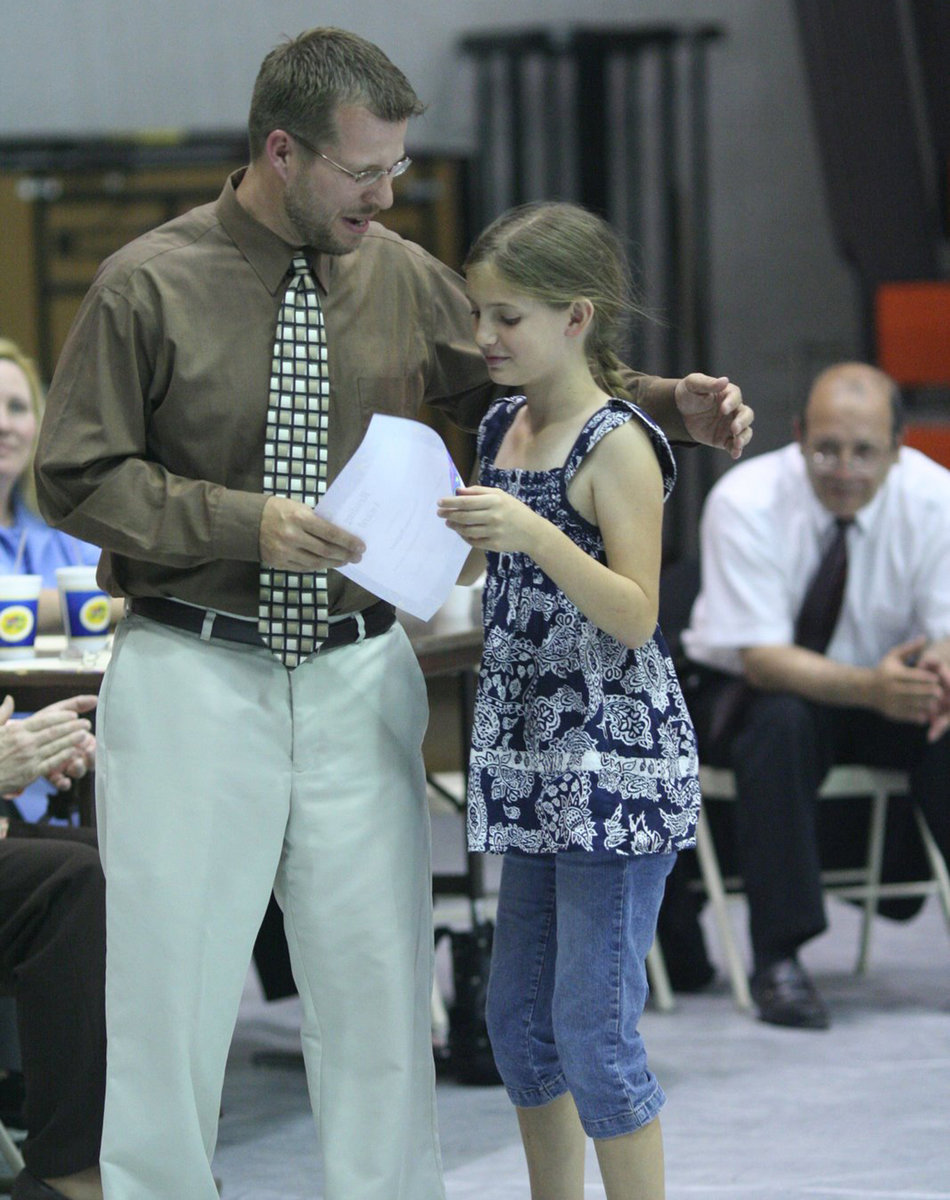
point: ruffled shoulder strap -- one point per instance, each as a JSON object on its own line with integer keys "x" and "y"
{"x": 495, "y": 424}
{"x": 615, "y": 413}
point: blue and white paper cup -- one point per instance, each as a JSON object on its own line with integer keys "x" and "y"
{"x": 85, "y": 609}
{"x": 19, "y": 600}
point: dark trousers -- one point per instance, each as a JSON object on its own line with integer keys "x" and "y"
{"x": 781, "y": 747}
{"x": 52, "y": 957}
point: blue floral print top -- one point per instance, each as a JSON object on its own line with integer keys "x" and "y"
{"x": 578, "y": 741}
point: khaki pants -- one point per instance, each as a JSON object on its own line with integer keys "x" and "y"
{"x": 220, "y": 774}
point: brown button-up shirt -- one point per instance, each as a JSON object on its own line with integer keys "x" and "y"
{"x": 153, "y": 440}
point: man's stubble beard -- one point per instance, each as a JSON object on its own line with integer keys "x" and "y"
{"x": 315, "y": 232}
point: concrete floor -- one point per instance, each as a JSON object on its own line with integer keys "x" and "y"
{"x": 858, "y": 1112}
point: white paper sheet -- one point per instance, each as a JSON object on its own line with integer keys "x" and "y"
{"x": 387, "y": 495}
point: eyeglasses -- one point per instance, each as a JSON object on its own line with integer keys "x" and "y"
{"x": 367, "y": 178}
{"x": 861, "y": 459}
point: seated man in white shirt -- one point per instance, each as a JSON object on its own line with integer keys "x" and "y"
{"x": 781, "y": 707}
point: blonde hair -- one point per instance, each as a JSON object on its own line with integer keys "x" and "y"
{"x": 558, "y": 252}
{"x": 25, "y": 487}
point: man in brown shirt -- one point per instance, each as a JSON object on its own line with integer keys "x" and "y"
{"x": 309, "y": 780}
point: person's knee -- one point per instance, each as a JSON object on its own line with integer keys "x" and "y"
{"x": 784, "y": 708}
{"x": 597, "y": 1073}
{"x": 775, "y": 718}
{"x": 507, "y": 1036}
{"x": 582, "y": 1058}
{"x": 83, "y": 885}
{"x": 86, "y": 870}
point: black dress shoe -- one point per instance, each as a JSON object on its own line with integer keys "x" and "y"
{"x": 28, "y": 1187}
{"x": 784, "y": 995}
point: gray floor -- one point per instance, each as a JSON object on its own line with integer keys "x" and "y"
{"x": 859, "y": 1111}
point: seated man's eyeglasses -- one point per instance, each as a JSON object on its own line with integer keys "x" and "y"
{"x": 367, "y": 178}
{"x": 861, "y": 459}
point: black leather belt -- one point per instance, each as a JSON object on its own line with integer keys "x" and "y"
{"x": 375, "y": 620}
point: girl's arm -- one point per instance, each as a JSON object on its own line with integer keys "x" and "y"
{"x": 473, "y": 566}
{"x": 626, "y": 491}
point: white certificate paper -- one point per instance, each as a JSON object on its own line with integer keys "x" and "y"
{"x": 387, "y": 495}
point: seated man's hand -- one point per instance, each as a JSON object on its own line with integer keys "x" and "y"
{"x": 907, "y": 690}
{"x": 77, "y": 767}
{"x": 44, "y": 743}
{"x": 936, "y": 659}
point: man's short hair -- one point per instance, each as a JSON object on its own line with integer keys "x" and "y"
{"x": 303, "y": 82}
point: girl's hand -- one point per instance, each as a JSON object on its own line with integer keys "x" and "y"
{"x": 490, "y": 519}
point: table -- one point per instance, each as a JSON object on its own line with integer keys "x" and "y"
{"x": 35, "y": 682}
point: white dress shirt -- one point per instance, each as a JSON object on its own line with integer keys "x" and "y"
{"x": 763, "y": 531}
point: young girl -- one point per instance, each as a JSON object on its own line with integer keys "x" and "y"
{"x": 583, "y": 768}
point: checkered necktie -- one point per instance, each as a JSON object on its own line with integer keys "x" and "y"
{"x": 292, "y": 614}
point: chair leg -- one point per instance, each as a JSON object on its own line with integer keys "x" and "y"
{"x": 439, "y": 1016}
{"x": 872, "y": 880}
{"x": 937, "y": 863}
{"x": 716, "y": 894}
{"x": 659, "y": 979}
{"x": 10, "y": 1151}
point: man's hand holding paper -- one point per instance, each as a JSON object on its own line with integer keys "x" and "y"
{"x": 296, "y": 538}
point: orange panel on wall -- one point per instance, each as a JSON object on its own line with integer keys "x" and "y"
{"x": 932, "y": 439}
{"x": 912, "y": 322}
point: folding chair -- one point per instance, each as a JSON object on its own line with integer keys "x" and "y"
{"x": 860, "y": 883}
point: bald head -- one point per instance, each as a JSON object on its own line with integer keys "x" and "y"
{"x": 850, "y": 435}
{"x": 866, "y": 384}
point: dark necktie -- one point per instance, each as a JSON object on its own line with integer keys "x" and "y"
{"x": 292, "y": 616}
{"x": 821, "y": 607}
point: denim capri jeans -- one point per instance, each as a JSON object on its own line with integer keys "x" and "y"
{"x": 568, "y": 983}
